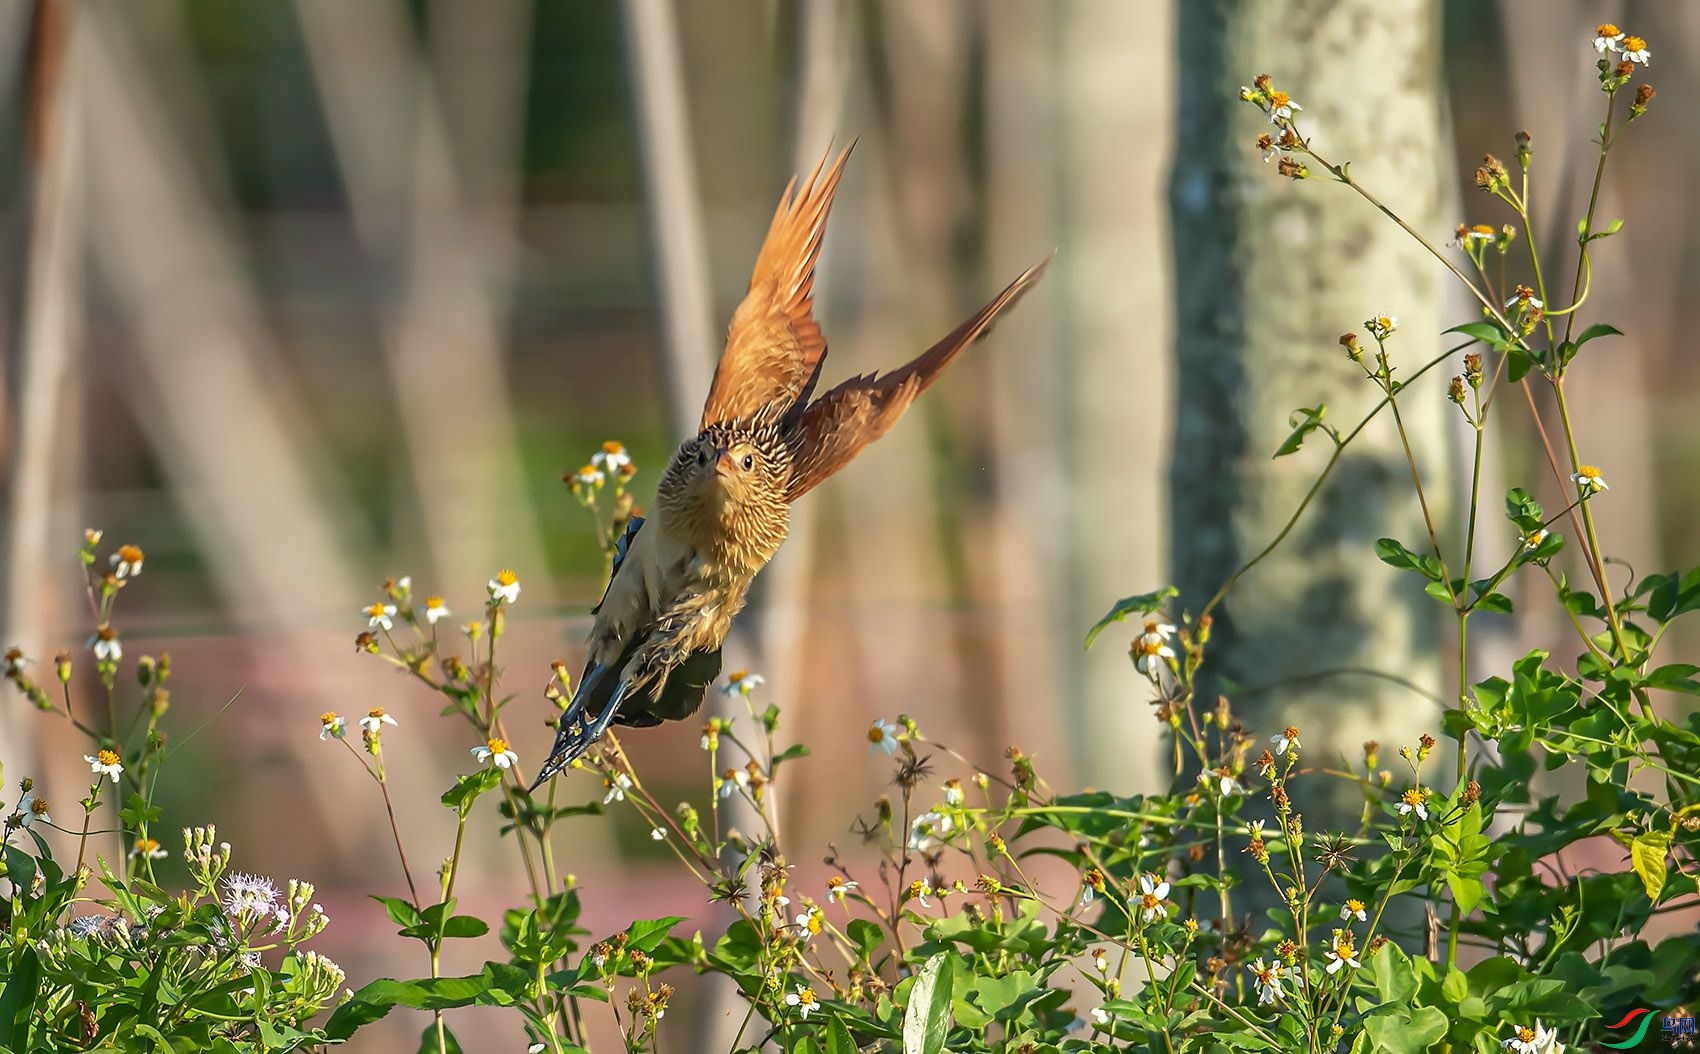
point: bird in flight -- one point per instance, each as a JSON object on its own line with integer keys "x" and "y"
{"x": 722, "y": 506}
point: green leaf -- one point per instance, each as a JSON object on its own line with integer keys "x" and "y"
{"x": 838, "y": 1039}
{"x": 1486, "y": 332}
{"x": 927, "y": 1017}
{"x": 1411, "y": 1032}
{"x": 1393, "y": 553}
{"x": 867, "y": 936}
{"x": 1676, "y": 677}
{"x": 790, "y": 753}
{"x": 401, "y": 912}
{"x": 1394, "y": 980}
{"x": 1522, "y": 509}
{"x": 467, "y": 789}
{"x": 428, "y": 1041}
{"x": 1598, "y": 329}
{"x": 1304, "y": 421}
{"x": 1647, "y": 855}
{"x": 1517, "y": 364}
{"x": 1143, "y": 604}
{"x": 17, "y": 1000}
{"x": 645, "y": 934}
{"x": 465, "y": 926}
{"x": 1675, "y": 596}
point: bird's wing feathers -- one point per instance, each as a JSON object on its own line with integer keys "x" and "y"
{"x": 774, "y": 346}
{"x": 622, "y": 546}
{"x": 840, "y": 423}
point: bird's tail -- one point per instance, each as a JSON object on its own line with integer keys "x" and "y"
{"x": 584, "y": 720}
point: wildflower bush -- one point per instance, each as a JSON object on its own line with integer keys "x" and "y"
{"x": 948, "y": 929}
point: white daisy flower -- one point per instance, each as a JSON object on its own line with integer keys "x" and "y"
{"x": 31, "y": 808}
{"x": 1100, "y": 961}
{"x": 837, "y": 888}
{"x": 1254, "y": 828}
{"x": 1533, "y": 539}
{"x": 589, "y": 476}
{"x": 1223, "y": 780}
{"x": 1152, "y": 890}
{"x": 495, "y": 750}
{"x": 612, "y": 457}
{"x": 1588, "y": 480}
{"x": 1268, "y": 979}
{"x": 1100, "y": 1016}
{"x": 148, "y": 849}
{"x": 928, "y": 829}
{"x": 804, "y": 1000}
{"x": 332, "y": 726}
{"x": 1414, "y": 800}
{"x": 882, "y": 737}
{"x": 1287, "y": 740}
{"x": 1282, "y": 107}
{"x": 953, "y": 791}
{"x": 920, "y": 890}
{"x": 435, "y": 609}
{"x": 127, "y": 562}
{"x": 732, "y": 781}
{"x": 1353, "y": 909}
{"x": 808, "y": 922}
{"x": 1342, "y": 953}
{"x": 504, "y": 588}
{"x": 1382, "y": 326}
{"x": 380, "y": 616}
{"x": 1150, "y": 654}
{"x": 1635, "y": 50}
{"x": 617, "y": 787}
{"x": 741, "y": 682}
{"x": 1537, "y": 1040}
{"x": 105, "y": 763}
{"x": 1607, "y": 37}
{"x": 1525, "y": 301}
{"x": 375, "y": 720}
{"x": 106, "y": 645}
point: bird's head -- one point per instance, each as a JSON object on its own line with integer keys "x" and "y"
{"x": 731, "y": 466}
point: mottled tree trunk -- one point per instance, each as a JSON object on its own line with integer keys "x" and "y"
{"x": 1268, "y": 273}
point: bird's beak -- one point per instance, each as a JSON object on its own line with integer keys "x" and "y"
{"x": 723, "y": 463}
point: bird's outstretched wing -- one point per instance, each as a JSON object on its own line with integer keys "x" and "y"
{"x": 840, "y": 423}
{"x": 774, "y": 346}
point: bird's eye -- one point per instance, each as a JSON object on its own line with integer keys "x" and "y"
{"x": 702, "y": 456}
{"x": 749, "y": 462}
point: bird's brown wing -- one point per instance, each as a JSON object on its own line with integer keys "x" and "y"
{"x": 840, "y": 423}
{"x": 774, "y": 346}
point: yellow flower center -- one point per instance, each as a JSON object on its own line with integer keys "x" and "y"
{"x": 146, "y": 845}
{"x": 375, "y": 712}
{"x": 613, "y": 446}
{"x": 1604, "y": 29}
{"x": 505, "y": 577}
{"x": 737, "y": 675}
{"x": 108, "y": 757}
{"x": 876, "y": 734}
{"x": 834, "y": 882}
{"x": 38, "y": 806}
{"x": 498, "y": 746}
{"x": 1265, "y": 976}
{"x": 1290, "y": 732}
{"x": 1150, "y": 902}
{"x": 806, "y": 997}
{"x": 1278, "y": 99}
{"x": 1344, "y": 948}
{"x": 1588, "y": 472}
{"x": 588, "y": 471}
{"x": 129, "y": 554}
{"x": 433, "y": 603}
{"x": 1414, "y": 797}
{"x": 1484, "y": 229}
{"x": 1634, "y": 44}
{"x": 1527, "y": 1034}
{"x": 376, "y": 611}
{"x": 1354, "y": 906}
{"x": 1384, "y": 321}
{"x": 327, "y": 719}
{"x": 107, "y": 633}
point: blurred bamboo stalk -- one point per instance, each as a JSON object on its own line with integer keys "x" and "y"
{"x": 442, "y": 314}
{"x": 232, "y": 437}
{"x": 678, "y": 244}
{"x": 44, "y": 481}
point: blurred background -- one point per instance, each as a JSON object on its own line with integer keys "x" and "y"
{"x": 301, "y": 296}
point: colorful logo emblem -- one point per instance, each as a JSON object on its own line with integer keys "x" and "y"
{"x": 1672, "y": 1026}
